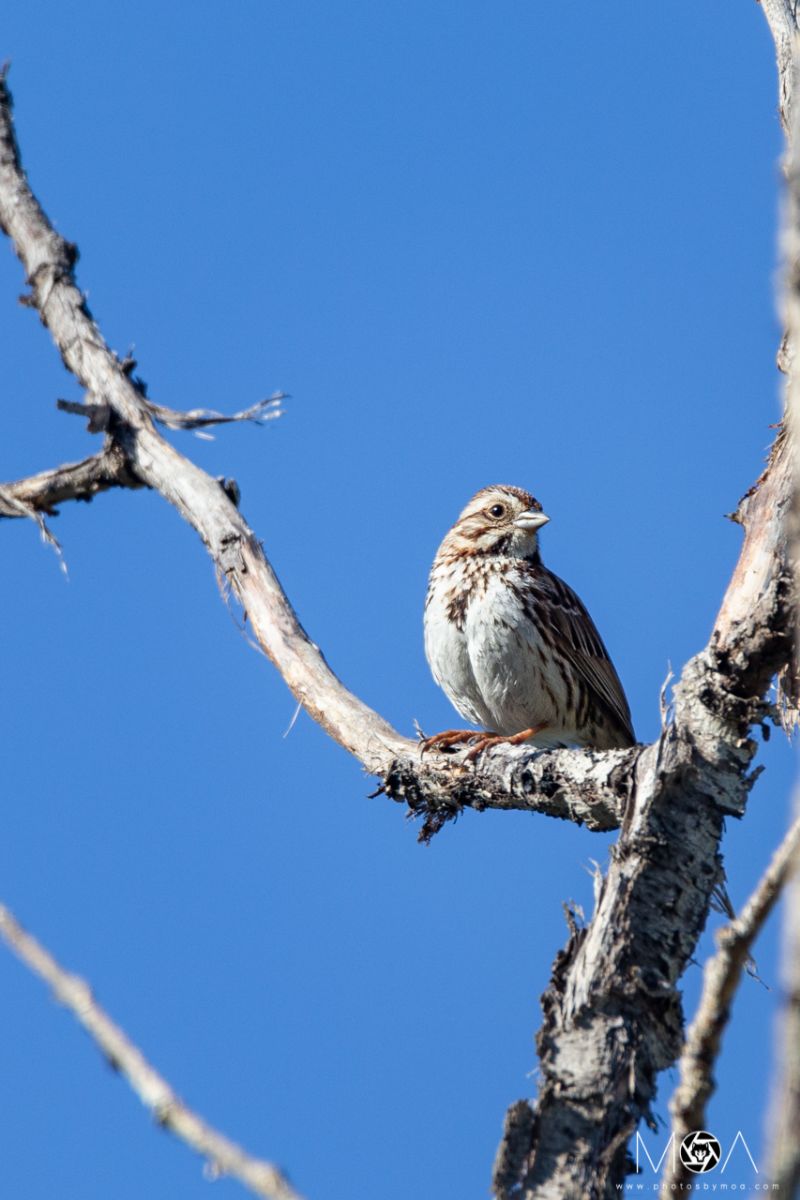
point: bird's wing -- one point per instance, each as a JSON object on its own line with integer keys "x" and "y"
{"x": 579, "y": 640}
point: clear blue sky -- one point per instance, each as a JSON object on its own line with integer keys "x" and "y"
{"x": 477, "y": 243}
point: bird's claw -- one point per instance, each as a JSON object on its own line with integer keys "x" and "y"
{"x": 493, "y": 739}
{"x": 450, "y": 738}
{"x": 478, "y": 742}
{"x": 484, "y": 743}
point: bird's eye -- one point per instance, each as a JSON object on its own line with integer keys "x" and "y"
{"x": 497, "y": 510}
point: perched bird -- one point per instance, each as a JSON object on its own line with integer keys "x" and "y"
{"x": 511, "y": 644}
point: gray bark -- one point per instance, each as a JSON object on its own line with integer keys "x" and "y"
{"x": 612, "y": 1013}
{"x": 612, "y": 1016}
{"x": 42, "y": 493}
{"x": 223, "y": 1157}
{"x": 722, "y": 975}
{"x": 783, "y": 1129}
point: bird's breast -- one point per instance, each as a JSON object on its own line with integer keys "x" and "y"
{"x": 508, "y": 658}
{"x": 446, "y": 649}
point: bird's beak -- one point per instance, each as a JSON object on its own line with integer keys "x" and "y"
{"x": 531, "y": 520}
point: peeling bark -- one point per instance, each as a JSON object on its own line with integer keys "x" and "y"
{"x": 612, "y": 1012}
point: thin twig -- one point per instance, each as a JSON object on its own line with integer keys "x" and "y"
{"x": 721, "y": 978}
{"x": 201, "y": 418}
{"x": 11, "y": 505}
{"x": 223, "y": 1156}
{"x": 98, "y": 413}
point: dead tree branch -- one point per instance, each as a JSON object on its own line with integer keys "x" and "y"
{"x": 223, "y": 1156}
{"x": 559, "y": 783}
{"x": 99, "y": 415}
{"x": 784, "y": 1123}
{"x": 721, "y": 977}
{"x": 783, "y": 1154}
{"x": 612, "y": 1012}
{"x": 782, "y": 20}
{"x": 43, "y": 493}
{"x": 202, "y": 418}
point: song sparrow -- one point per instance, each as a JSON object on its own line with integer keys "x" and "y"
{"x": 511, "y": 644}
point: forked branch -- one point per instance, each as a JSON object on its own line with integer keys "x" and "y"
{"x": 590, "y": 789}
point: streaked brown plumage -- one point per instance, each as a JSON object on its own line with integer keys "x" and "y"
{"x": 510, "y": 643}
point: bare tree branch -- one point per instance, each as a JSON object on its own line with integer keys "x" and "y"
{"x": 784, "y": 1116}
{"x": 75, "y": 481}
{"x": 783, "y": 1155}
{"x": 782, "y": 19}
{"x": 721, "y": 977}
{"x": 557, "y": 783}
{"x": 223, "y": 1156}
{"x": 201, "y": 418}
{"x": 612, "y": 1015}
{"x": 12, "y": 506}
{"x": 591, "y": 788}
{"x": 98, "y": 414}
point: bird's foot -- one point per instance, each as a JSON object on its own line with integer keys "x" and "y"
{"x": 452, "y": 737}
{"x": 486, "y": 740}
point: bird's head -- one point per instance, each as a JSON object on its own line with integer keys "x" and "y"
{"x": 499, "y": 520}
